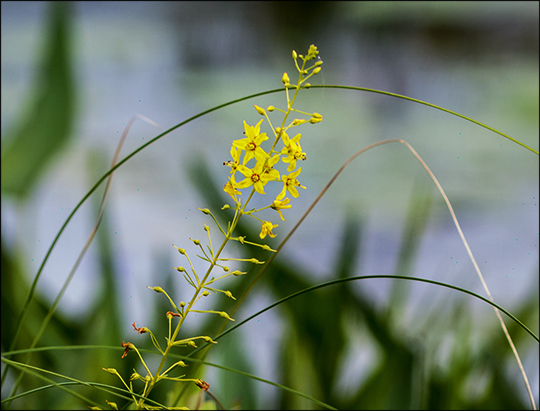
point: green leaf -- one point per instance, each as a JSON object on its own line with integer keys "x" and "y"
{"x": 46, "y": 128}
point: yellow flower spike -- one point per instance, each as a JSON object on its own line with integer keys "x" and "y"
{"x": 267, "y": 227}
{"x": 260, "y": 110}
{"x": 286, "y": 80}
{"x": 290, "y": 184}
{"x": 252, "y": 143}
{"x": 279, "y": 205}
{"x": 256, "y": 177}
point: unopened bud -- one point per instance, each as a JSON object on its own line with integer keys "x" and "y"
{"x": 316, "y": 70}
{"x": 270, "y": 108}
{"x": 225, "y": 315}
{"x": 180, "y": 250}
{"x": 285, "y": 79}
{"x": 294, "y": 55}
{"x": 260, "y": 110}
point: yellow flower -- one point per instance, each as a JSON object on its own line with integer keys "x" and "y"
{"x": 252, "y": 143}
{"x": 278, "y": 205}
{"x": 267, "y": 227}
{"x": 292, "y": 150}
{"x": 235, "y": 154}
{"x": 256, "y": 177}
{"x": 290, "y": 184}
{"x": 229, "y": 189}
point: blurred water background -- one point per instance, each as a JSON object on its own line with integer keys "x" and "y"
{"x": 171, "y": 60}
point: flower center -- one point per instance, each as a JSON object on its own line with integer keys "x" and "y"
{"x": 251, "y": 146}
{"x": 255, "y": 178}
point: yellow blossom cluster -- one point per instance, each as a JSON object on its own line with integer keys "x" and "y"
{"x": 249, "y": 149}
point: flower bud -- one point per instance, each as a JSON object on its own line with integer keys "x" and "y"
{"x": 195, "y": 241}
{"x": 260, "y": 110}
{"x": 294, "y": 55}
{"x": 229, "y": 294}
{"x": 270, "y": 108}
{"x": 206, "y": 293}
{"x": 316, "y": 70}
{"x": 180, "y": 250}
{"x": 285, "y": 79}
{"x": 237, "y": 273}
{"x": 180, "y": 269}
{"x": 156, "y": 289}
{"x": 192, "y": 343}
{"x": 226, "y": 207}
{"x": 298, "y": 121}
{"x": 206, "y": 228}
{"x": 307, "y": 85}
{"x": 225, "y": 268}
{"x": 205, "y": 210}
{"x": 225, "y": 315}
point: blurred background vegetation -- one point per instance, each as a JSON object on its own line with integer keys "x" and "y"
{"x": 73, "y": 74}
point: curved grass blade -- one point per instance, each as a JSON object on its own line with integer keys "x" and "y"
{"x": 387, "y": 93}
